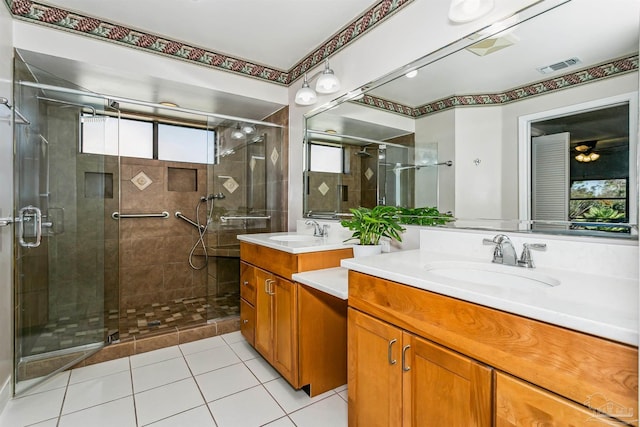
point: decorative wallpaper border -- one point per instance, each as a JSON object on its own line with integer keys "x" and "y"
{"x": 587, "y": 75}
{"x": 43, "y": 14}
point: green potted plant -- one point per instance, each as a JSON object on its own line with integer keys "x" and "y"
{"x": 369, "y": 225}
{"x": 423, "y": 216}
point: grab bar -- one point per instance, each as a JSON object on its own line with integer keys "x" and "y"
{"x": 118, "y": 215}
{"x": 184, "y": 218}
{"x": 238, "y": 218}
{"x": 4, "y": 101}
{"x": 328, "y": 215}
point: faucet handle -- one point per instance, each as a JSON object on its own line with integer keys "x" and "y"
{"x": 498, "y": 256}
{"x": 525, "y": 259}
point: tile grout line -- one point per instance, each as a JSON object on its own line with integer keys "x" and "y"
{"x": 204, "y": 399}
{"x": 64, "y": 397}
{"x": 133, "y": 394}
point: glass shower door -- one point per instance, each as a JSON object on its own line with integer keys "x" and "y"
{"x": 65, "y": 246}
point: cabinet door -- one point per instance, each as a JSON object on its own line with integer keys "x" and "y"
{"x": 521, "y": 404}
{"x": 443, "y": 388}
{"x": 248, "y": 283}
{"x": 248, "y": 321}
{"x": 285, "y": 337}
{"x": 374, "y": 372}
{"x": 264, "y": 327}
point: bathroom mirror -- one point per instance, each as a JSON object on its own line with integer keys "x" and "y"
{"x": 468, "y": 133}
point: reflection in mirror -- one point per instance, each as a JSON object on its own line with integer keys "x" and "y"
{"x": 347, "y": 172}
{"x": 479, "y": 103}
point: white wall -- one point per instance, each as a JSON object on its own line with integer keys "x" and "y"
{"x": 478, "y": 138}
{"x": 440, "y": 128}
{"x": 6, "y": 206}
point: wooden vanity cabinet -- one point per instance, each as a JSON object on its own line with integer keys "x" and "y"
{"x": 542, "y": 374}
{"x": 270, "y": 313}
{"x": 399, "y": 379}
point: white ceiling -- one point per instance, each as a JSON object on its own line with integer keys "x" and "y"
{"x": 276, "y": 33}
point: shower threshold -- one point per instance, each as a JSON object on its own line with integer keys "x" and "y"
{"x": 180, "y": 313}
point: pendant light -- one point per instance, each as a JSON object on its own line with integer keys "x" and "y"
{"x": 305, "y": 95}
{"x": 327, "y": 83}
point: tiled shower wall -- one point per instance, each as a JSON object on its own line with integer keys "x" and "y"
{"x": 154, "y": 252}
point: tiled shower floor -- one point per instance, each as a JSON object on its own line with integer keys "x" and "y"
{"x": 67, "y": 332}
{"x": 183, "y": 312}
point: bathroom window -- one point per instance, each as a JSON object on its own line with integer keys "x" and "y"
{"x": 185, "y": 144}
{"x": 326, "y": 158}
{"x": 599, "y": 200}
{"x": 135, "y": 138}
{"x": 99, "y": 135}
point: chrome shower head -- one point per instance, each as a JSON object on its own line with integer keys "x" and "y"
{"x": 363, "y": 153}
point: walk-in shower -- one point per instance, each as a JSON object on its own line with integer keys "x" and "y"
{"x": 135, "y": 208}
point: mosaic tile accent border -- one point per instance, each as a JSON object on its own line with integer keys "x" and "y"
{"x": 609, "y": 69}
{"x": 43, "y": 14}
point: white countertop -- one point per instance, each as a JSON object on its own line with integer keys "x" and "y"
{"x": 311, "y": 244}
{"x": 333, "y": 281}
{"x": 604, "y": 306}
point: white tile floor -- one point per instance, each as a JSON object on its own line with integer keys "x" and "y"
{"x": 215, "y": 382}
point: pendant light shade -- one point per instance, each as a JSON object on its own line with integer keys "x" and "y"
{"x": 305, "y": 95}
{"x": 237, "y": 133}
{"x": 327, "y": 82}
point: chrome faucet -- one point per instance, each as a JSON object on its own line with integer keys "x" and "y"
{"x": 318, "y": 230}
{"x": 504, "y": 252}
{"x": 525, "y": 258}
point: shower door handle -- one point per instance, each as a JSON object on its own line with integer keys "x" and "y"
{"x": 26, "y": 215}
{"x": 7, "y": 221}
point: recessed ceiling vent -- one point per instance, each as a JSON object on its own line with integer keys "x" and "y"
{"x": 559, "y": 65}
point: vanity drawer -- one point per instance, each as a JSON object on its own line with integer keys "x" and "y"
{"x": 248, "y": 322}
{"x": 248, "y": 283}
{"x": 569, "y": 363}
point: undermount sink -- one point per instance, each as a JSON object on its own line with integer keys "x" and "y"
{"x": 293, "y": 238}
{"x": 489, "y": 273}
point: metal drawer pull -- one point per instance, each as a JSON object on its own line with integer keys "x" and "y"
{"x": 245, "y": 321}
{"x": 246, "y": 282}
{"x": 267, "y": 286}
{"x": 391, "y": 361}
{"x": 405, "y": 368}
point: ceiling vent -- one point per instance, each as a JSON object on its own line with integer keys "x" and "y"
{"x": 559, "y": 65}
